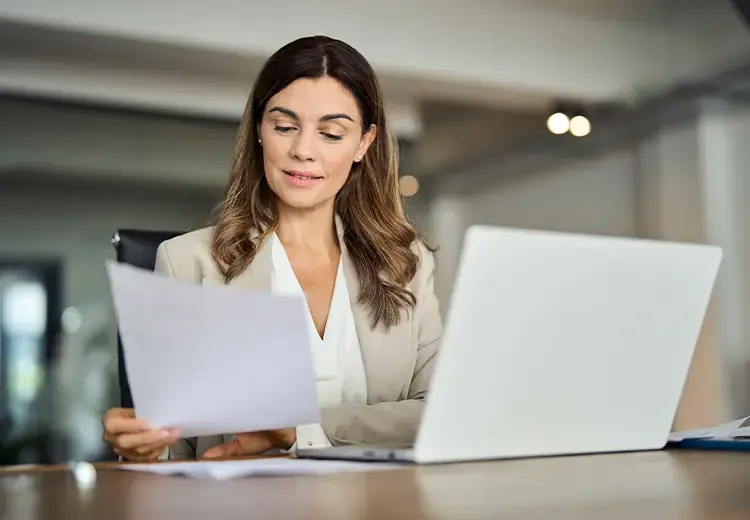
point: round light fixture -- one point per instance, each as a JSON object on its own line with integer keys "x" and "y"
{"x": 568, "y": 117}
{"x": 580, "y": 126}
{"x": 558, "y": 123}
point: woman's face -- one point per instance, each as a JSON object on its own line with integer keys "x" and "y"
{"x": 311, "y": 134}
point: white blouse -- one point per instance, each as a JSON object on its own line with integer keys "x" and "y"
{"x": 339, "y": 368}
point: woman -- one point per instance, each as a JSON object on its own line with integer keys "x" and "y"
{"x": 313, "y": 207}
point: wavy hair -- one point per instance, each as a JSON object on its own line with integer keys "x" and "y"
{"x": 377, "y": 234}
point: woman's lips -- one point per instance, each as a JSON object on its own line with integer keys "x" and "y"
{"x": 302, "y": 179}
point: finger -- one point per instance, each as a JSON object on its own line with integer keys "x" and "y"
{"x": 135, "y": 440}
{"x": 229, "y": 449}
{"x": 253, "y": 443}
{"x": 117, "y": 425}
{"x": 157, "y": 446}
{"x": 235, "y": 448}
{"x": 119, "y": 412}
{"x": 284, "y": 438}
{"x": 150, "y": 449}
{"x": 248, "y": 443}
{"x": 134, "y": 456}
{"x": 144, "y": 453}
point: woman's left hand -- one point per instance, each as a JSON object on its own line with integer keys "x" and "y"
{"x": 282, "y": 438}
{"x": 254, "y": 443}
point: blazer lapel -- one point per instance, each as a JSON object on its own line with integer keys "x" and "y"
{"x": 257, "y": 276}
{"x": 381, "y": 349}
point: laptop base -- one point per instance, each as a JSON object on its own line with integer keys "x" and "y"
{"x": 359, "y": 454}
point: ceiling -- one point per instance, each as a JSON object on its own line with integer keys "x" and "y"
{"x": 457, "y": 123}
{"x": 634, "y": 10}
{"x": 58, "y": 51}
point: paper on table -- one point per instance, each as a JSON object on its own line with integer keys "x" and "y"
{"x": 255, "y": 467}
{"x": 211, "y": 359}
{"x": 736, "y": 428}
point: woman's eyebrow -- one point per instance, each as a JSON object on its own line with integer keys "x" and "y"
{"x": 327, "y": 117}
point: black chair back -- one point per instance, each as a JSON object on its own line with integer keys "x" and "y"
{"x": 136, "y": 248}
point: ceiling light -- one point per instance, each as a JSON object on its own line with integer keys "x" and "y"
{"x": 568, "y": 117}
{"x": 580, "y": 126}
{"x": 558, "y": 123}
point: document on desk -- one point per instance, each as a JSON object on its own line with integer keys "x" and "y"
{"x": 213, "y": 359}
{"x": 739, "y": 428}
{"x": 222, "y": 470}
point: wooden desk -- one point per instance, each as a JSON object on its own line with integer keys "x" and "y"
{"x": 660, "y": 485}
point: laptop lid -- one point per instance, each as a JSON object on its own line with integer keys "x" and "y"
{"x": 559, "y": 343}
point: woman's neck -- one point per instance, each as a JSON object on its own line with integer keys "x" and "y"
{"x": 308, "y": 229}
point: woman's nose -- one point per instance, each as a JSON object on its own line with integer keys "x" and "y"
{"x": 303, "y": 146}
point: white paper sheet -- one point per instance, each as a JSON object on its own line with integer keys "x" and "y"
{"x": 213, "y": 359}
{"x": 736, "y": 428}
{"x": 221, "y": 470}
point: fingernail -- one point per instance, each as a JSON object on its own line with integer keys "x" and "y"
{"x": 166, "y": 433}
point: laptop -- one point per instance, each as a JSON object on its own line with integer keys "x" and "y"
{"x": 559, "y": 344}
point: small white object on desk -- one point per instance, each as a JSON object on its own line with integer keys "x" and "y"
{"x": 212, "y": 359}
{"x": 84, "y": 474}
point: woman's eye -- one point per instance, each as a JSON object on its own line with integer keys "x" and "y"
{"x": 284, "y": 129}
{"x": 332, "y": 137}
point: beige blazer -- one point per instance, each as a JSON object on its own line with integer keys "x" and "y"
{"x": 398, "y": 363}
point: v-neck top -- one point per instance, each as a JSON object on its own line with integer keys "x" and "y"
{"x": 337, "y": 356}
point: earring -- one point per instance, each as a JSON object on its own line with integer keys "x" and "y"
{"x": 359, "y": 158}
{"x": 260, "y": 141}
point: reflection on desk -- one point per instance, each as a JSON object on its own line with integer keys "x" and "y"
{"x": 555, "y": 487}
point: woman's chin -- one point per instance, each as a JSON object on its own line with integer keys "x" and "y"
{"x": 303, "y": 201}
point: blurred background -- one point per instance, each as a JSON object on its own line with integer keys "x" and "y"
{"x": 617, "y": 117}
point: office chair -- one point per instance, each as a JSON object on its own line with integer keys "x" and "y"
{"x": 136, "y": 248}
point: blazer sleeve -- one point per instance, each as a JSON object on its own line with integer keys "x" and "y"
{"x": 395, "y": 424}
{"x": 182, "y": 449}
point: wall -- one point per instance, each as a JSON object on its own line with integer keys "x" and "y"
{"x": 114, "y": 145}
{"x": 586, "y": 196}
{"x": 672, "y": 206}
{"x": 724, "y": 131}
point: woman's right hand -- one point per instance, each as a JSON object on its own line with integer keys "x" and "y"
{"x": 132, "y": 438}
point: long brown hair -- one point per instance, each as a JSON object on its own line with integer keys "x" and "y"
{"x": 377, "y": 235}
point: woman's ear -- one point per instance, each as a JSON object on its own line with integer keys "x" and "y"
{"x": 364, "y": 144}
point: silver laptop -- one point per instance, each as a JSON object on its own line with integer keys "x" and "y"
{"x": 559, "y": 344}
